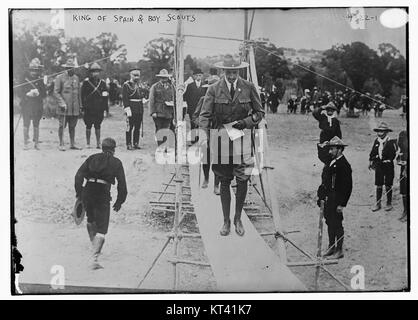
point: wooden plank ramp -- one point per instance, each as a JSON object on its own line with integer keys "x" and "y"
{"x": 239, "y": 264}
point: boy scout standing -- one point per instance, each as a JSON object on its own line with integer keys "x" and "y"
{"x": 381, "y": 159}
{"x": 94, "y": 99}
{"x": 32, "y": 95}
{"x": 161, "y": 103}
{"x": 67, "y": 93}
{"x": 100, "y": 171}
{"x": 133, "y": 94}
{"x": 335, "y": 191}
{"x": 235, "y": 102}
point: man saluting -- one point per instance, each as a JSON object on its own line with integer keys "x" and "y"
{"x": 100, "y": 171}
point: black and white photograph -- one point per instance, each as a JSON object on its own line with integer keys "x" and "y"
{"x": 209, "y": 150}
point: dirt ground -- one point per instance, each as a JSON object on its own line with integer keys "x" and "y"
{"x": 47, "y": 236}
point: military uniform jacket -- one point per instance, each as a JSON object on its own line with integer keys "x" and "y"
{"x": 67, "y": 93}
{"x": 337, "y": 182}
{"x": 106, "y": 167}
{"x": 132, "y": 96}
{"x": 192, "y": 96}
{"x": 403, "y": 146}
{"x": 222, "y": 108}
{"x": 158, "y": 97}
{"x": 32, "y": 106}
{"x": 328, "y": 130}
{"x": 388, "y": 154}
{"x": 93, "y": 97}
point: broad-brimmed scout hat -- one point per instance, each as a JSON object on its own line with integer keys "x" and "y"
{"x": 230, "y": 63}
{"x": 331, "y": 105}
{"x": 383, "y": 127}
{"x": 35, "y": 64}
{"x": 335, "y": 142}
{"x": 163, "y": 74}
{"x": 70, "y": 63}
{"x": 78, "y": 211}
{"x": 95, "y": 67}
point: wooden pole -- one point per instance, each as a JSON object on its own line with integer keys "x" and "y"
{"x": 318, "y": 253}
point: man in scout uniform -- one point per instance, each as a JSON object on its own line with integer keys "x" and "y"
{"x": 232, "y": 101}
{"x": 32, "y": 95}
{"x": 330, "y": 127}
{"x": 67, "y": 93}
{"x": 402, "y": 161}
{"x": 195, "y": 118}
{"x": 381, "y": 159}
{"x": 193, "y": 93}
{"x": 335, "y": 191}
{"x": 100, "y": 171}
{"x": 161, "y": 103}
{"x": 133, "y": 93}
{"x": 94, "y": 100}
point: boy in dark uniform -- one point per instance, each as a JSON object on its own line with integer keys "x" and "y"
{"x": 193, "y": 93}
{"x": 32, "y": 95}
{"x": 235, "y": 102}
{"x": 133, "y": 93}
{"x": 94, "y": 101}
{"x": 402, "y": 160}
{"x": 381, "y": 159}
{"x": 100, "y": 171}
{"x": 330, "y": 127}
{"x": 335, "y": 191}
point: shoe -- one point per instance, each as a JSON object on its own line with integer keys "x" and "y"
{"x": 377, "y": 207}
{"x": 88, "y": 146}
{"x": 26, "y": 146}
{"x": 388, "y": 207}
{"x": 205, "y": 184}
{"x": 129, "y": 147}
{"x": 73, "y": 147}
{"x": 239, "y": 228}
{"x": 226, "y": 228}
{"x": 36, "y": 146}
{"x": 96, "y": 265}
{"x": 136, "y": 146}
{"x": 330, "y": 251}
{"x": 217, "y": 190}
{"x": 61, "y": 148}
{"x": 98, "y": 146}
{"x": 338, "y": 254}
{"x": 403, "y": 217}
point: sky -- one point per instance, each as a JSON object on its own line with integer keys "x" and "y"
{"x": 317, "y": 28}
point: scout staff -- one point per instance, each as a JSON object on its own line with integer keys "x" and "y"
{"x": 32, "y": 95}
{"x": 133, "y": 94}
{"x": 67, "y": 93}
{"x": 381, "y": 159}
{"x": 232, "y": 101}
{"x": 335, "y": 191}
{"x": 100, "y": 171}
{"x": 94, "y": 100}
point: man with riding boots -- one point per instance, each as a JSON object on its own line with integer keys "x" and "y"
{"x": 32, "y": 95}
{"x": 100, "y": 171}
{"x": 194, "y": 91}
{"x": 161, "y": 103}
{"x": 133, "y": 93}
{"x": 94, "y": 102}
{"x": 402, "y": 160}
{"x": 335, "y": 191}
{"x": 381, "y": 160}
{"x": 231, "y": 102}
{"x": 67, "y": 93}
{"x": 195, "y": 118}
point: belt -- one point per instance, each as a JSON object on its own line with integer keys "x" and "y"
{"x": 97, "y": 181}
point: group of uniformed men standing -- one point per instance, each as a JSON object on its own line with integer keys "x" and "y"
{"x": 226, "y": 101}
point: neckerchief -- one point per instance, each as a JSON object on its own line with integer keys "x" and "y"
{"x": 382, "y": 143}
{"x": 329, "y": 118}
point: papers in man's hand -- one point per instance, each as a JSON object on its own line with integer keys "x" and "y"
{"x": 169, "y": 103}
{"x": 232, "y": 132}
